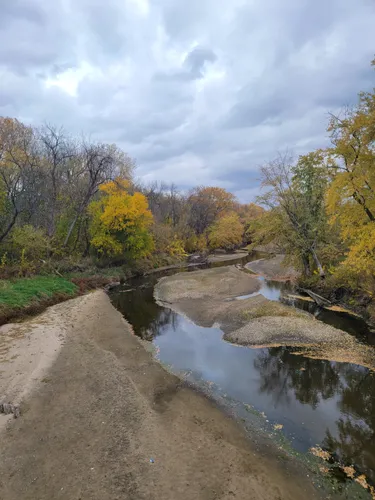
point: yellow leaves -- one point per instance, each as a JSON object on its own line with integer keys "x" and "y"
{"x": 278, "y": 427}
{"x": 123, "y": 211}
{"x": 115, "y": 187}
{"x": 349, "y": 471}
{"x": 361, "y": 256}
{"x": 227, "y": 232}
{"x": 318, "y": 452}
{"x": 362, "y": 481}
{"x": 120, "y": 221}
{"x": 176, "y": 248}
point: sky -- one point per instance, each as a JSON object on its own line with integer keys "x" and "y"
{"x": 198, "y": 92}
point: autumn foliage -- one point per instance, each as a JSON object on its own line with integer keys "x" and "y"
{"x": 227, "y": 232}
{"x": 121, "y": 221}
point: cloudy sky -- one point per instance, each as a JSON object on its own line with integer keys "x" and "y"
{"x": 198, "y": 91}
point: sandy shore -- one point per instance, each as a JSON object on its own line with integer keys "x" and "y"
{"x": 220, "y": 282}
{"x": 273, "y": 268}
{"x": 27, "y": 352}
{"x": 107, "y": 422}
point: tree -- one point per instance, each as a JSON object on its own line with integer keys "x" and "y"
{"x": 352, "y": 159}
{"x": 296, "y": 196}
{"x": 248, "y": 214}
{"x": 227, "y": 232}
{"x": 206, "y": 205}
{"x": 351, "y": 194}
{"x": 121, "y": 222}
{"x": 57, "y": 152}
{"x": 19, "y": 173}
{"x": 97, "y": 164}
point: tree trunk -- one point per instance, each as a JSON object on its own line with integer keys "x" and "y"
{"x": 359, "y": 199}
{"x": 322, "y": 274}
{"x": 306, "y": 265}
{"x": 71, "y": 228}
{"x": 10, "y": 225}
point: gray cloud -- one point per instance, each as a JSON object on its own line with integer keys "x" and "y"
{"x": 200, "y": 92}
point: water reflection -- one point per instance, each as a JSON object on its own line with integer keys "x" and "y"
{"x": 311, "y": 381}
{"x": 317, "y": 401}
{"x": 354, "y": 441}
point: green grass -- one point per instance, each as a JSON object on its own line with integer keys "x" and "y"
{"x": 22, "y": 292}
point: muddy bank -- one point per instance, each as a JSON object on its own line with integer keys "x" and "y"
{"x": 273, "y": 268}
{"x": 208, "y": 298}
{"x": 109, "y": 422}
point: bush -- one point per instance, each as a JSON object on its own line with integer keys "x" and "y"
{"x": 29, "y": 244}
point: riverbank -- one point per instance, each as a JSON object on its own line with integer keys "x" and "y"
{"x": 107, "y": 421}
{"x": 23, "y": 297}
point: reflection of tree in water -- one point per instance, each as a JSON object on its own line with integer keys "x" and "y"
{"x": 143, "y": 313}
{"x": 311, "y": 381}
{"x": 355, "y": 442}
{"x": 283, "y": 373}
{"x": 166, "y": 319}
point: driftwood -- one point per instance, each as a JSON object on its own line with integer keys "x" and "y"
{"x": 321, "y": 301}
{"x": 8, "y": 408}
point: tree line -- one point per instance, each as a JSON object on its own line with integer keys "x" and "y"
{"x": 63, "y": 197}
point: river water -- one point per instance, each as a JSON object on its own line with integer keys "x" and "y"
{"x": 317, "y": 402}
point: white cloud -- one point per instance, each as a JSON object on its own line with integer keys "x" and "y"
{"x": 200, "y": 92}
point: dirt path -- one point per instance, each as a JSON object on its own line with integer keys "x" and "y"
{"x": 106, "y": 408}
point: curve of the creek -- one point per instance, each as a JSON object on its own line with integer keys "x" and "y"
{"x": 311, "y": 402}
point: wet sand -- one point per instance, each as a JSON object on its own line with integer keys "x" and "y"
{"x": 108, "y": 422}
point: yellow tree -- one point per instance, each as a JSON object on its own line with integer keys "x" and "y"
{"x": 351, "y": 195}
{"x": 121, "y": 221}
{"x": 227, "y": 232}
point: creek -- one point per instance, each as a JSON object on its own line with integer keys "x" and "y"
{"x": 313, "y": 402}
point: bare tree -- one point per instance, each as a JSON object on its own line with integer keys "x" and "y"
{"x": 57, "y": 152}
{"x": 95, "y": 165}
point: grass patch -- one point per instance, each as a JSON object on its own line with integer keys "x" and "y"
{"x": 27, "y": 296}
{"x": 273, "y": 309}
{"x": 21, "y": 292}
